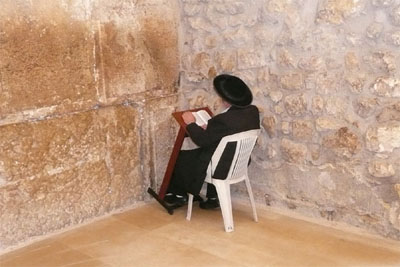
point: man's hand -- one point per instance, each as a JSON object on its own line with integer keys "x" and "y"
{"x": 188, "y": 117}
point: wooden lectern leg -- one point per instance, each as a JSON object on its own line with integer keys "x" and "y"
{"x": 168, "y": 173}
{"x": 172, "y": 160}
{"x": 161, "y": 201}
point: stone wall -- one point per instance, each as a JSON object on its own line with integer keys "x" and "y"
{"x": 325, "y": 75}
{"x": 85, "y": 89}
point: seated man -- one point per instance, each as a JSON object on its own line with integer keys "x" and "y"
{"x": 191, "y": 166}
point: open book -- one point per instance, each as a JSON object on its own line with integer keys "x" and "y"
{"x": 201, "y": 117}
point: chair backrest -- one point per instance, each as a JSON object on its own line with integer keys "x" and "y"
{"x": 245, "y": 142}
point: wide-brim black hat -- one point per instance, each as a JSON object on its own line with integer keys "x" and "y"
{"x": 233, "y": 90}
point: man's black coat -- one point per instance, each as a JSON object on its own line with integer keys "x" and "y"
{"x": 191, "y": 166}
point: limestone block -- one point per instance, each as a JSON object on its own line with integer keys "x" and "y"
{"x": 395, "y": 15}
{"x": 303, "y": 129}
{"x": 356, "y": 81}
{"x": 394, "y": 214}
{"x": 366, "y": 106}
{"x": 381, "y": 169}
{"x": 312, "y": 64}
{"x": 113, "y": 10}
{"x": 285, "y": 37}
{"x": 326, "y": 181}
{"x": 293, "y": 152}
{"x": 293, "y": 81}
{"x": 226, "y": 60}
{"x": 201, "y": 62}
{"x": 216, "y": 20}
{"x": 397, "y": 188}
{"x": 374, "y": 30}
{"x": 327, "y": 82}
{"x": 317, "y": 105}
{"x": 160, "y": 138}
{"x": 46, "y": 60}
{"x": 382, "y": 3}
{"x": 63, "y": 171}
{"x": 296, "y": 105}
{"x": 285, "y": 58}
{"x": 200, "y": 24}
{"x": 275, "y": 96}
{"x": 143, "y": 58}
{"x": 383, "y": 137}
{"x": 192, "y": 9}
{"x": 386, "y": 87}
{"x": 279, "y": 108}
{"x": 328, "y": 123}
{"x": 381, "y": 61}
{"x": 278, "y": 5}
{"x": 269, "y": 124}
{"x": 389, "y": 113}
{"x": 271, "y": 152}
{"x": 286, "y": 127}
{"x": 263, "y": 76}
{"x": 343, "y": 142}
{"x": 351, "y": 60}
{"x": 212, "y": 41}
{"x": 393, "y": 38}
{"x": 315, "y": 151}
{"x": 335, "y": 12}
{"x": 250, "y": 58}
{"x": 233, "y": 8}
{"x": 198, "y": 99}
{"x": 335, "y": 105}
{"x": 264, "y": 36}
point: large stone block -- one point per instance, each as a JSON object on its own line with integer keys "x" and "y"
{"x": 46, "y": 59}
{"x": 335, "y": 12}
{"x": 293, "y": 152}
{"x": 159, "y": 139}
{"x": 62, "y": 171}
{"x": 389, "y": 113}
{"x": 343, "y": 142}
{"x": 296, "y": 105}
{"x": 141, "y": 60}
{"x": 384, "y": 137}
{"x": 380, "y": 168}
{"x": 386, "y": 86}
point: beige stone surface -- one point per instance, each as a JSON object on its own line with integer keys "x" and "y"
{"x": 63, "y": 171}
{"x": 325, "y": 75}
{"x": 45, "y": 59}
{"x": 293, "y": 152}
{"x": 147, "y": 235}
{"x": 82, "y": 85}
{"x": 379, "y": 168}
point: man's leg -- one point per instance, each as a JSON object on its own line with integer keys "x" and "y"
{"x": 212, "y": 198}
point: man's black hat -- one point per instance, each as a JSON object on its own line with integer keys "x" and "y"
{"x": 233, "y": 90}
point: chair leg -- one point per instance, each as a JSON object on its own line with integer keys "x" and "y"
{"x": 190, "y": 206}
{"x": 224, "y": 196}
{"x": 250, "y": 192}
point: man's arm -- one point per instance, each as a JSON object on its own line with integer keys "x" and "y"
{"x": 213, "y": 133}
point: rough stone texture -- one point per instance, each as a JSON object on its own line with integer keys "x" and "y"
{"x": 343, "y": 142}
{"x": 383, "y": 138}
{"x": 293, "y": 152}
{"x": 380, "y": 168}
{"x": 325, "y": 76}
{"x": 87, "y": 89}
{"x": 389, "y": 113}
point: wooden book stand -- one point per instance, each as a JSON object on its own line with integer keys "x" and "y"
{"x": 172, "y": 160}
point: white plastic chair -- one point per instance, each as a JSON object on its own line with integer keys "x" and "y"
{"x": 237, "y": 173}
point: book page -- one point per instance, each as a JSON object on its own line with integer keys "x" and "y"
{"x": 201, "y": 117}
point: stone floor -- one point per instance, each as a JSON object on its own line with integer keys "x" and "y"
{"x": 148, "y": 236}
